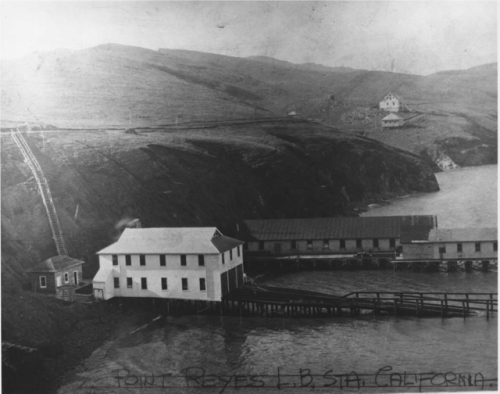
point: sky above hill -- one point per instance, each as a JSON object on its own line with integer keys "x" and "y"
{"x": 404, "y": 36}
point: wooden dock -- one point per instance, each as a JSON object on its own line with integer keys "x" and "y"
{"x": 282, "y": 302}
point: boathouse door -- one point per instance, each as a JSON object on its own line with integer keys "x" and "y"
{"x": 223, "y": 283}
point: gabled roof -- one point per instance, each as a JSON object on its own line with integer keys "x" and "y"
{"x": 392, "y": 116}
{"x": 171, "y": 240}
{"x": 463, "y": 234}
{"x": 56, "y": 264}
{"x": 395, "y": 95}
{"x": 332, "y": 228}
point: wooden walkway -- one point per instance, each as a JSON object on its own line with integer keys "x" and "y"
{"x": 271, "y": 301}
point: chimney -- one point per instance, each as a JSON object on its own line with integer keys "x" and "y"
{"x": 136, "y": 223}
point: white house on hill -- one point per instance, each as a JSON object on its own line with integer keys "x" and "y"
{"x": 173, "y": 263}
{"x": 392, "y": 103}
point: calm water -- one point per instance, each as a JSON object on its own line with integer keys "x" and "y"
{"x": 315, "y": 350}
{"x": 468, "y": 198}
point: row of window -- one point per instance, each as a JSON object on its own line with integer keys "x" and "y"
{"x": 477, "y": 247}
{"x": 164, "y": 283}
{"x": 163, "y": 259}
{"x": 326, "y": 243}
{"x": 43, "y": 279}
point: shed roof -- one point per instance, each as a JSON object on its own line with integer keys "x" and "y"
{"x": 173, "y": 240}
{"x": 56, "y": 264}
{"x": 463, "y": 234}
{"x": 332, "y": 228}
{"x": 393, "y": 116}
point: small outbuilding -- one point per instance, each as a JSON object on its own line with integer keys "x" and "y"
{"x": 49, "y": 275}
{"x": 392, "y": 121}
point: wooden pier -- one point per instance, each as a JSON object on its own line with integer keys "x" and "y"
{"x": 445, "y": 265}
{"x": 281, "y": 302}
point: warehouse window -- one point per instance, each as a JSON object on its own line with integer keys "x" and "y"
{"x": 375, "y": 243}
{"x": 203, "y": 286}
{"x": 459, "y": 247}
{"x": 294, "y": 244}
{"x": 442, "y": 249}
{"x": 230, "y": 254}
{"x": 261, "y": 245}
{"x": 43, "y": 282}
{"x": 392, "y": 243}
{"x": 144, "y": 283}
{"x": 66, "y": 277}
{"x": 184, "y": 284}
{"x": 358, "y": 243}
{"x": 115, "y": 259}
{"x": 128, "y": 259}
{"x": 129, "y": 283}
{"x": 116, "y": 282}
{"x": 239, "y": 250}
{"x": 478, "y": 246}
{"x": 223, "y": 258}
{"x": 342, "y": 244}
{"x": 183, "y": 259}
{"x": 142, "y": 259}
{"x": 163, "y": 260}
{"x": 201, "y": 260}
{"x": 309, "y": 244}
{"x": 326, "y": 244}
{"x": 164, "y": 284}
{"x": 495, "y": 247}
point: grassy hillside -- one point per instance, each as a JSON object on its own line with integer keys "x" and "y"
{"x": 194, "y": 177}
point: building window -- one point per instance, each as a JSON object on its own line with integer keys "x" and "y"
{"x": 164, "y": 285}
{"x": 201, "y": 260}
{"x": 309, "y": 244}
{"x": 294, "y": 244}
{"x": 183, "y": 259}
{"x": 459, "y": 247}
{"x": 223, "y": 258}
{"x": 392, "y": 243}
{"x": 239, "y": 251}
{"x": 184, "y": 284}
{"x": 128, "y": 259}
{"x": 163, "y": 260}
{"x": 495, "y": 247}
{"x": 230, "y": 254}
{"x": 442, "y": 249}
{"x": 203, "y": 286}
{"x": 115, "y": 259}
{"x": 342, "y": 244}
{"x": 478, "y": 246}
{"x": 261, "y": 245}
{"x": 144, "y": 283}
{"x": 116, "y": 282}
{"x": 326, "y": 244}
{"x": 43, "y": 282}
{"x": 375, "y": 243}
{"x": 66, "y": 277}
{"x": 142, "y": 259}
{"x": 358, "y": 243}
{"x": 129, "y": 283}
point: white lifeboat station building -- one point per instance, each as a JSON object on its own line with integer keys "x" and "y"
{"x": 171, "y": 263}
